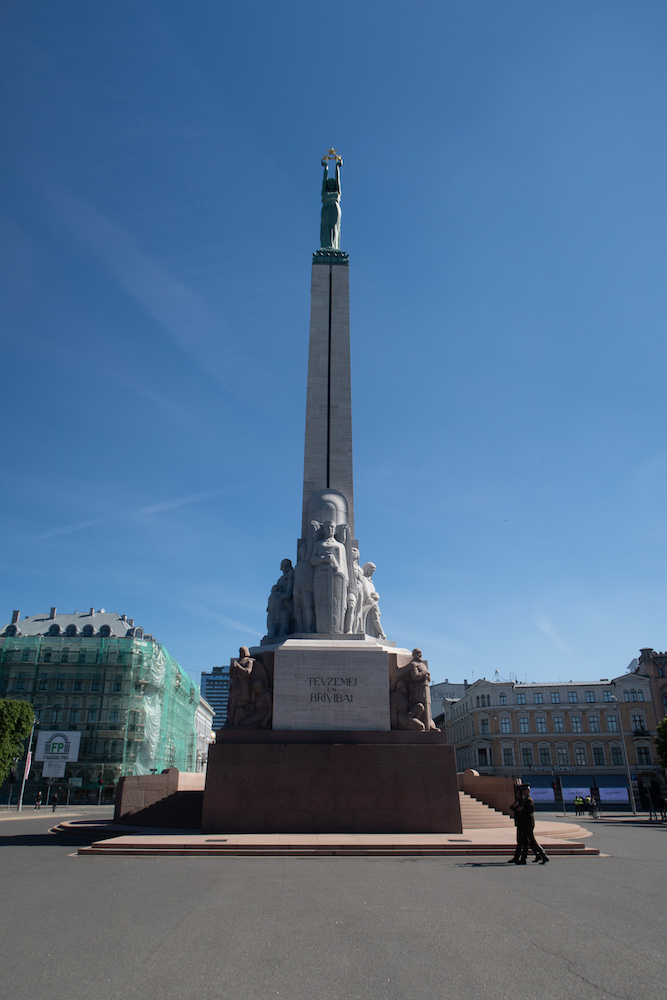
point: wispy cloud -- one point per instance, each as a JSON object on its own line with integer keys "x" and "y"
{"x": 154, "y": 508}
{"x": 545, "y": 625}
{"x": 205, "y": 612}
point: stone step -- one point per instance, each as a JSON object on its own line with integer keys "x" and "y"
{"x": 504, "y": 851}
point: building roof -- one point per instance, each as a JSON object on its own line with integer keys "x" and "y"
{"x": 41, "y": 624}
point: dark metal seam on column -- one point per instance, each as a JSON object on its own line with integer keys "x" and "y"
{"x": 329, "y": 381}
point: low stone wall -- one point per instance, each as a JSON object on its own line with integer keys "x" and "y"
{"x": 137, "y": 793}
{"x": 492, "y": 791}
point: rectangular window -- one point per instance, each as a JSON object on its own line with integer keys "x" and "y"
{"x": 508, "y": 757}
{"x": 481, "y": 756}
{"x": 527, "y": 757}
{"x": 523, "y": 726}
{"x": 118, "y": 682}
{"x": 60, "y": 682}
{"x": 92, "y": 714}
{"x": 590, "y": 696}
{"x": 25, "y": 655}
{"x": 598, "y": 756}
{"x": 521, "y": 698}
{"x": 580, "y": 755}
{"x": 43, "y": 682}
{"x": 559, "y": 725}
{"x": 576, "y": 724}
{"x": 64, "y": 656}
{"x": 503, "y": 698}
{"x": 572, "y": 697}
{"x": 562, "y": 757}
{"x": 594, "y": 723}
{"x": 73, "y": 715}
{"x": 537, "y": 698}
{"x": 643, "y": 755}
{"x": 612, "y": 724}
{"x": 616, "y": 755}
{"x": 606, "y": 696}
{"x": 541, "y": 724}
{"x": 505, "y": 726}
{"x": 637, "y": 720}
{"x": 20, "y": 683}
{"x": 484, "y": 727}
{"x": 47, "y": 656}
{"x": 81, "y": 657}
{"x": 95, "y": 685}
{"x": 78, "y": 682}
{"x": 555, "y": 698}
{"x": 545, "y": 756}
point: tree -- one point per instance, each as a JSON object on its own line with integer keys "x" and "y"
{"x": 16, "y": 719}
{"x": 661, "y": 743}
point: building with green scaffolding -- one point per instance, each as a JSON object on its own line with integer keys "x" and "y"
{"x": 97, "y": 673}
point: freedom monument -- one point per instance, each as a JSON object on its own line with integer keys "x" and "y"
{"x": 329, "y": 724}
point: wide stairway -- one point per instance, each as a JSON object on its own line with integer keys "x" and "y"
{"x": 478, "y": 816}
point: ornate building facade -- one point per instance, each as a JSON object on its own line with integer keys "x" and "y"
{"x": 98, "y": 673}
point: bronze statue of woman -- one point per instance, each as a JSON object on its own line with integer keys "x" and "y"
{"x": 330, "y": 224}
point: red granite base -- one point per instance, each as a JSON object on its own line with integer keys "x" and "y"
{"x": 334, "y": 782}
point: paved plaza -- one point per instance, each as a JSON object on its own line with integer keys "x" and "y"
{"x": 332, "y": 928}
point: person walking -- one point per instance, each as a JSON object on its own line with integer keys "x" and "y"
{"x": 54, "y": 801}
{"x": 524, "y": 810}
{"x": 38, "y": 801}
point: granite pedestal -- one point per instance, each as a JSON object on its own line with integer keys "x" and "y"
{"x": 331, "y": 782}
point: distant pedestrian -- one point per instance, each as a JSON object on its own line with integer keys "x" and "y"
{"x": 54, "y": 801}
{"x": 38, "y": 801}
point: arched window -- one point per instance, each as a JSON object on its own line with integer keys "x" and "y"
{"x": 626, "y": 696}
{"x": 138, "y": 633}
{"x": 105, "y": 630}
{"x": 11, "y": 630}
{"x": 92, "y": 714}
{"x": 503, "y": 698}
{"x": 88, "y": 631}
{"x": 71, "y": 630}
{"x": 640, "y": 696}
{"x": 74, "y": 714}
{"x": 54, "y": 630}
{"x": 477, "y": 701}
{"x": 55, "y": 714}
{"x": 633, "y": 695}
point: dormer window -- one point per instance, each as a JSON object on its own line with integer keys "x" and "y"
{"x": 54, "y": 630}
{"x": 88, "y": 631}
{"x": 71, "y": 630}
{"x": 11, "y": 630}
{"x": 105, "y": 630}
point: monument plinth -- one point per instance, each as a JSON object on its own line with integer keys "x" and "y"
{"x": 329, "y": 725}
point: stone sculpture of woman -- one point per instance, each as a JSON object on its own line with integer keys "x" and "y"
{"x": 330, "y": 579}
{"x": 330, "y": 224}
{"x": 304, "y": 612}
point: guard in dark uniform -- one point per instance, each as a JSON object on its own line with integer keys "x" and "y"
{"x": 524, "y": 817}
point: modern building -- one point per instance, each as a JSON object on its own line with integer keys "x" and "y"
{"x": 98, "y": 673}
{"x": 204, "y": 728}
{"x": 563, "y": 739}
{"x": 215, "y": 688}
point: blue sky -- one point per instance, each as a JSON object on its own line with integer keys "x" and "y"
{"x": 504, "y": 211}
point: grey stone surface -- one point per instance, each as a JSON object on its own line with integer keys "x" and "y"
{"x": 330, "y": 685}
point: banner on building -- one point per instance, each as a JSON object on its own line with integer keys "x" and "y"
{"x": 614, "y": 795}
{"x": 54, "y": 769}
{"x": 58, "y": 745}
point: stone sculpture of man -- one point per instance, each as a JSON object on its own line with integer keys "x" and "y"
{"x": 419, "y": 680}
{"x": 370, "y": 611}
{"x": 248, "y": 680}
{"x": 302, "y": 594}
{"x": 285, "y": 589}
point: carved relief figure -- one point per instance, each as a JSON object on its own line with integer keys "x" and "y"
{"x": 330, "y": 579}
{"x": 285, "y": 589}
{"x": 249, "y": 693}
{"x": 410, "y": 696}
{"x": 370, "y": 611}
{"x": 303, "y": 592}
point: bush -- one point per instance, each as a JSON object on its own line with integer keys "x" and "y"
{"x": 16, "y": 719}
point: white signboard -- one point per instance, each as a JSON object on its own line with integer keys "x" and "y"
{"x": 542, "y": 794}
{"x": 58, "y": 745}
{"x": 569, "y": 794}
{"x": 613, "y": 795}
{"x": 53, "y": 769}
{"x": 76, "y": 782}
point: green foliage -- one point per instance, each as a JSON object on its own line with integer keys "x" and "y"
{"x": 16, "y": 718}
{"x": 661, "y": 743}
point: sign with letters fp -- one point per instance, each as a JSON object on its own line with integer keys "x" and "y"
{"x": 58, "y": 745}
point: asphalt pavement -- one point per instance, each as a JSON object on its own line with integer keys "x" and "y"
{"x": 331, "y": 928}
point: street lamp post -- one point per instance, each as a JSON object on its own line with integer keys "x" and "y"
{"x": 26, "y": 769}
{"x": 625, "y": 756}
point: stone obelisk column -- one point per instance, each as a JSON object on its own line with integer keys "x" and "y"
{"x": 328, "y": 448}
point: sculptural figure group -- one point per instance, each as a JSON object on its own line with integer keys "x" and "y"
{"x": 327, "y": 592}
{"x": 250, "y": 703}
{"x": 410, "y": 697}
